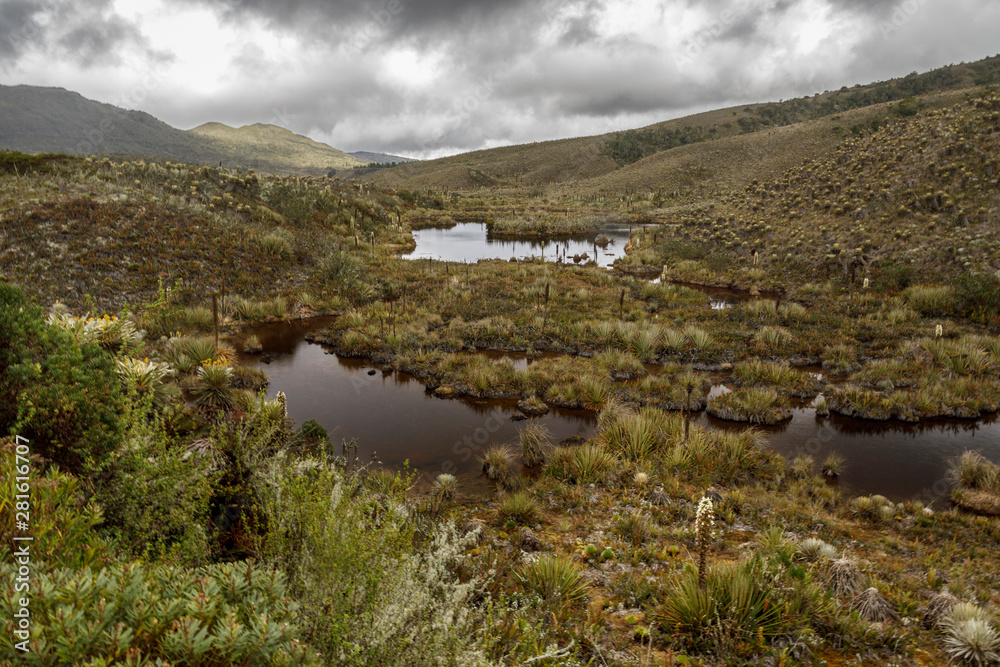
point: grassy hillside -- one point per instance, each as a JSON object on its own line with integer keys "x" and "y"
{"x": 171, "y": 459}
{"x": 36, "y": 120}
{"x": 914, "y": 200}
{"x": 272, "y": 148}
{"x": 852, "y": 110}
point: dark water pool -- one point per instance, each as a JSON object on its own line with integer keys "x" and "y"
{"x": 391, "y": 415}
{"x": 468, "y": 242}
{"x": 395, "y": 419}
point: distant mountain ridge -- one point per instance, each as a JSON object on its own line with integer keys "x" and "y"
{"x": 381, "y": 158}
{"x": 35, "y": 120}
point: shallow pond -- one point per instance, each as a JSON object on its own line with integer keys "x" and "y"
{"x": 395, "y": 419}
{"x": 469, "y": 242}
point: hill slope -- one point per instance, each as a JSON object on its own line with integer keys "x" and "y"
{"x": 916, "y": 200}
{"x": 571, "y": 160}
{"x": 273, "y": 148}
{"x": 35, "y": 120}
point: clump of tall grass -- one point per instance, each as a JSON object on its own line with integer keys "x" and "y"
{"x": 276, "y": 246}
{"x": 772, "y": 338}
{"x": 536, "y": 440}
{"x": 635, "y": 527}
{"x": 633, "y": 437}
{"x": 555, "y": 579}
{"x": 520, "y": 507}
{"x": 621, "y": 365}
{"x": 247, "y": 310}
{"x": 760, "y": 308}
{"x": 840, "y": 358}
{"x": 593, "y": 392}
{"x": 590, "y": 463}
{"x": 931, "y": 301}
{"x": 699, "y": 338}
{"x": 496, "y": 460}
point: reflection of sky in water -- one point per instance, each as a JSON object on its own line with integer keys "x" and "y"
{"x": 395, "y": 418}
{"x": 467, "y": 242}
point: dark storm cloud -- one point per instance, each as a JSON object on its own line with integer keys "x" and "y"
{"x": 86, "y": 33}
{"x": 427, "y": 76}
{"x": 395, "y": 17}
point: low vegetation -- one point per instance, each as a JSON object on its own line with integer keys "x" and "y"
{"x": 161, "y": 471}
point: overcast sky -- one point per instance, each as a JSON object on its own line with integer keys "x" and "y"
{"x": 426, "y": 78}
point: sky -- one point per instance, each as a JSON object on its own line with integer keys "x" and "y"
{"x": 427, "y": 78}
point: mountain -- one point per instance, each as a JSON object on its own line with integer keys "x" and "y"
{"x": 381, "y": 158}
{"x": 273, "y": 148}
{"x": 35, "y": 119}
{"x": 718, "y": 148}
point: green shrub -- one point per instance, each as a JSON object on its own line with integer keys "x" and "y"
{"x": 63, "y": 396}
{"x": 231, "y": 614}
{"x": 978, "y": 294}
{"x": 62, "y": 522}
{"x": 156, "y": 498}
{"x": 368, "y": 595}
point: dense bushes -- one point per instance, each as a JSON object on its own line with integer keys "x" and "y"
{"x": 63, "y": 396}
{"x": 232, "y": 614}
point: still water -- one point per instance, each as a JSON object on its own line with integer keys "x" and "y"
{"x": 469, "y": 242}
{"x": 394, "y": 419}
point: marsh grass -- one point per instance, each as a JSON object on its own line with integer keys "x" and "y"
{"x": 496, "y": 461}
{"x": 590, "y": 463}
{"x": 536, "y": 441}
{"x": 754, "y": 405}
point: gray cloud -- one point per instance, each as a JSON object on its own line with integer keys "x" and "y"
{"x": 427, "y": 76}
{"x": 86, "y": 33}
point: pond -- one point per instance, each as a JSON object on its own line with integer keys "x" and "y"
{"x": 394, "y": 419}
{"x": 469, "y": 242}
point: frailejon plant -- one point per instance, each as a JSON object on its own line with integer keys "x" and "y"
{"x": 703, "y": 528}
{"x": 734, "y": 606}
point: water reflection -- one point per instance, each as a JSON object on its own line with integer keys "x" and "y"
{"x": 394, "y": 418}
{"x": 469, "y": 242}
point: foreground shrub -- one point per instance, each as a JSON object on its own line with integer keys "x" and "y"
{"x": 368, "y": 595}
{"x": 232, "y": 614}
{"x": 155, "y": 497}
{"x": 62, "y": 522}
{"x": 63, "y": 396}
